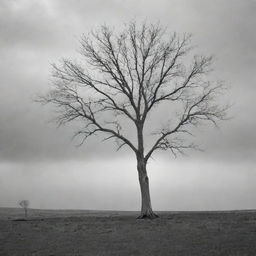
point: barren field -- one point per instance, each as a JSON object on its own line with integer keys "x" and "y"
{"x": 78, "y": 233}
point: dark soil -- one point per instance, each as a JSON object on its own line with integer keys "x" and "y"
{"x": 120, "y": 233}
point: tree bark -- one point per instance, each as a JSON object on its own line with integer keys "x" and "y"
{"x": 146, "y": 208}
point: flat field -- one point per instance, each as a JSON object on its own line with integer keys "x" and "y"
{"x": 95, "y": 233}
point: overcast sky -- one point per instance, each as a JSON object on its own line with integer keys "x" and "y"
{"x": 40, "y": 163}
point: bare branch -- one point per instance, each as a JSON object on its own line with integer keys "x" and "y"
{"x": 129, "y": 74}
{"x": 196, "y": 111}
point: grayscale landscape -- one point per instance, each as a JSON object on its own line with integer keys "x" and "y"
{"x": 127, "y": 127}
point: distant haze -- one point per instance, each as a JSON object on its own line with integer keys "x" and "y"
{"x": 39, "y": 162}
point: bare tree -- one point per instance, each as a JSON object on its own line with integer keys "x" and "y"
{"x": 126, "y": 76}
{"x": 24, "y": 204}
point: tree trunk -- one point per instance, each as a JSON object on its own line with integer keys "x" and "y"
{"x": 146, "y": 208}
{"x": 26, "y": 212}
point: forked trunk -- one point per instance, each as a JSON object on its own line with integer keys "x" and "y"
{"x": 146, "y": 208}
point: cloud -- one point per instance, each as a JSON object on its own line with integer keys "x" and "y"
{"x": 34, "y": 34}
{"x": 27, "y": 24}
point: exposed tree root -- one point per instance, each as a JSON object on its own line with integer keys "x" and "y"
{"x": 149, "y": 216}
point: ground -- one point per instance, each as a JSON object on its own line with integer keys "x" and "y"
{"x": 92, "y": 233}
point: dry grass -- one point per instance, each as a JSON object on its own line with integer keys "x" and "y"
{"x": 120, "y": 233}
